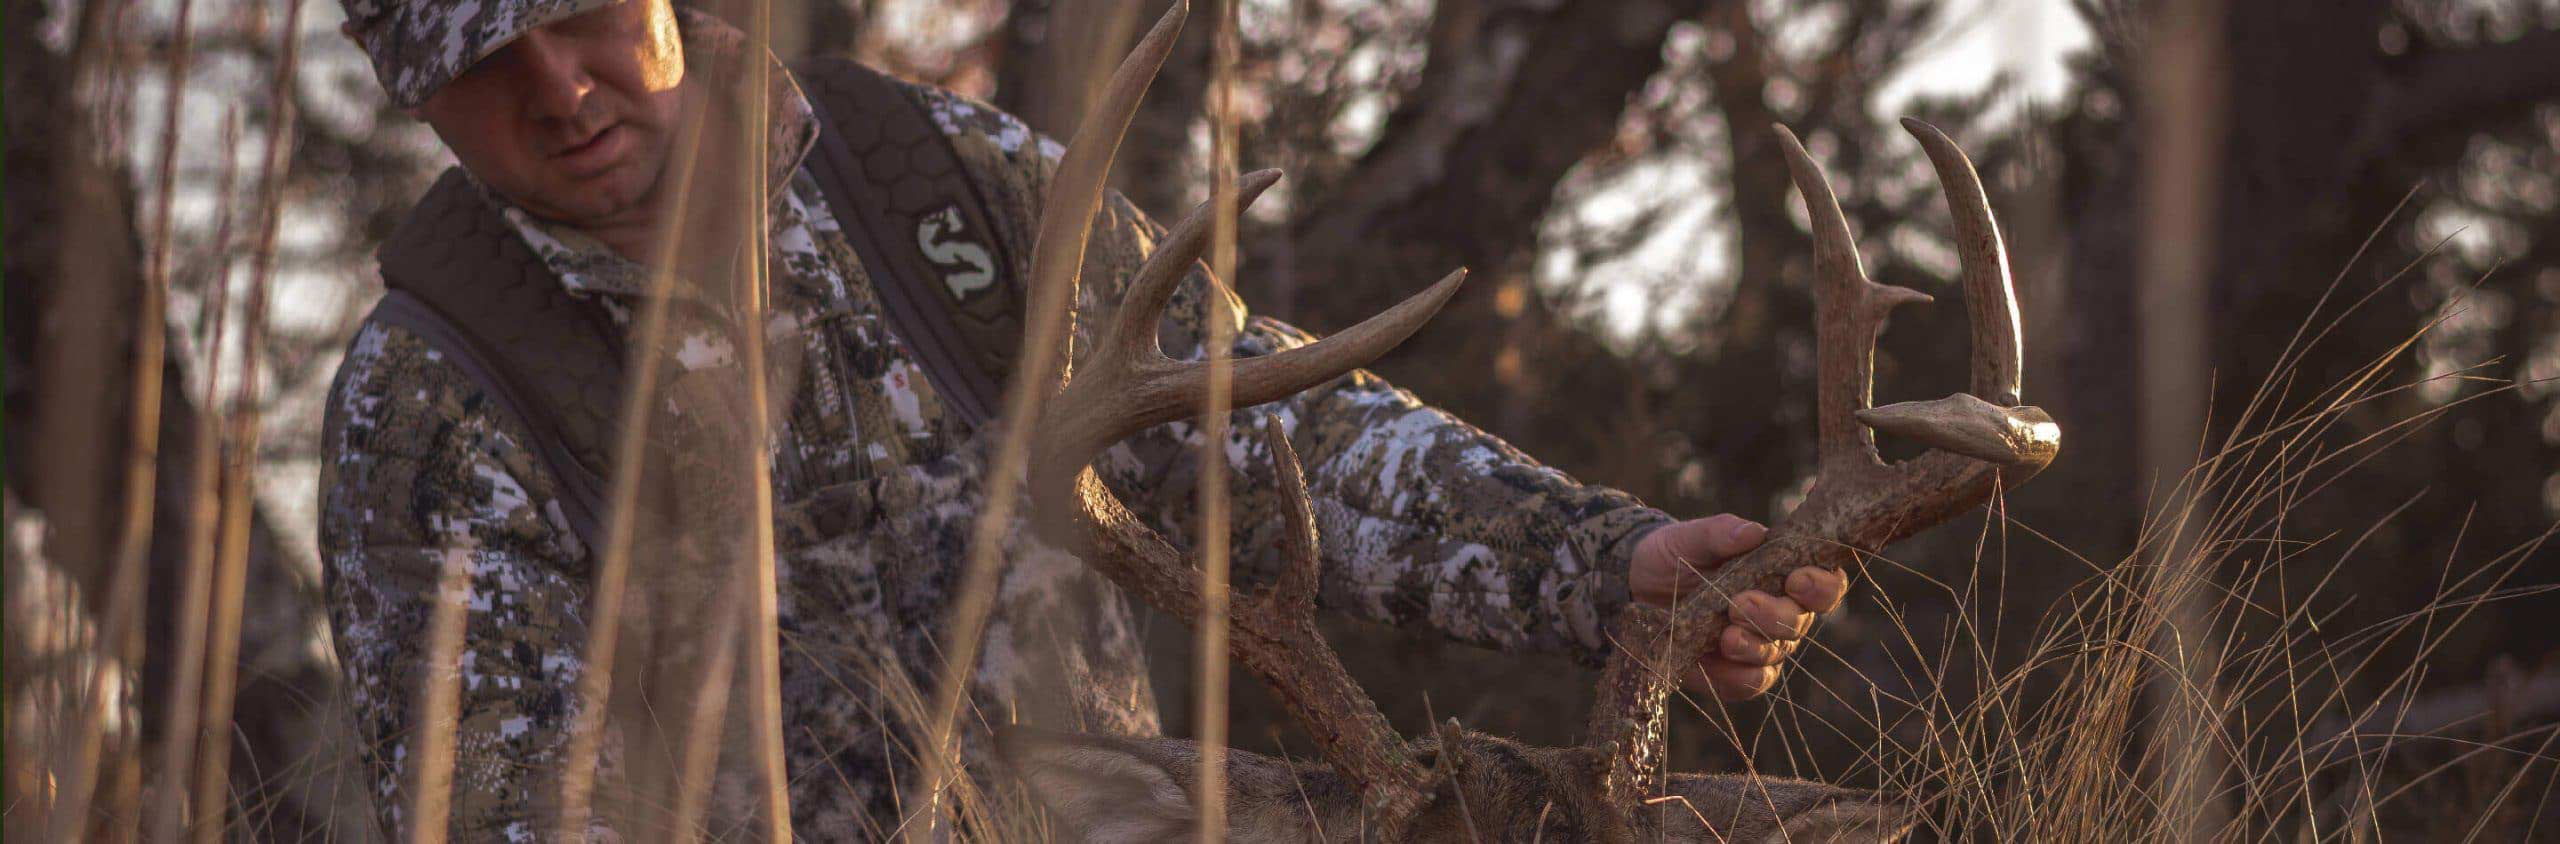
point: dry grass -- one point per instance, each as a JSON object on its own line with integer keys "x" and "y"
{"x": 1209, "y": 687}
{"x": 2211, "y": 629}
{"x": 968, "y": 809}
{"x": 210, "y": 797}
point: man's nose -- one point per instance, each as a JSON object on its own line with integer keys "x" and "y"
{"x": 555, "y": 81}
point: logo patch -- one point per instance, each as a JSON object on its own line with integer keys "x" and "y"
{"x": 967, "y": 267}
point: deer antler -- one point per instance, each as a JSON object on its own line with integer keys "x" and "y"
{"x": 1858, "y": 503}
{"x": 1127, "y": 384}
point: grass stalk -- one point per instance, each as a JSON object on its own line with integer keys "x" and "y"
{"x": 430, "y": 786}
{"x": 239, "y": 490}
{"x": 1217, "y": 342}
{"x": 1048, "y": 321}
{"x": 709, "y": 699}
{"x": 622, "y": 508}
{"x": 120, "y": 641}
{"x": 763, "y": 645}
{"x": 204, "y": 511}
{"x": 2181, "y": 77}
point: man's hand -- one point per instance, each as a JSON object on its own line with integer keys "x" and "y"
{"x": 1673, "y": 560}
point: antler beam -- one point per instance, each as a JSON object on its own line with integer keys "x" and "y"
{"x": 1979, "y": 441}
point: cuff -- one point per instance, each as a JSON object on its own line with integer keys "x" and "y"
{"x": 1609, "y": 542}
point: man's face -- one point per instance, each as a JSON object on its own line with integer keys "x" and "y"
{"x": 571, "y": 120}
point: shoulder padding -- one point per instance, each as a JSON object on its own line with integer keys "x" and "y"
{"x": 945, "y": 274}
{"x": 463, "y": 279}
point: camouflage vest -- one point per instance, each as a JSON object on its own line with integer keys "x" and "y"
{"x": 460, "y": 278}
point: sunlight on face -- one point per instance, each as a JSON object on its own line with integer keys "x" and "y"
{"x": 573, "y": 119}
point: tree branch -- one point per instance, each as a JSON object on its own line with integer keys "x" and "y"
{"x": 2457, "y": 89}
{"x": 1514, "y": 94}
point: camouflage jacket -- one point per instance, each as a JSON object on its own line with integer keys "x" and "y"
{"x": 1424, "y": 519}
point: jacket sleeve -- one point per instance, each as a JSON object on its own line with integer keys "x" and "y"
{"x": 421, "y": 477}
{"x": 1424, "y": 519}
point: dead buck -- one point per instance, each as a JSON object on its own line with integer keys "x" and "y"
{"x": 1457, "y": 784}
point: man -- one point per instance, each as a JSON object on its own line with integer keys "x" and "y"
{"x": 567, "y": 116}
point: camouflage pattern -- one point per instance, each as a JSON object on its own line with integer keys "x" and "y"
{"x": 1426, "y": 521}
{"x": 419, "y": 45}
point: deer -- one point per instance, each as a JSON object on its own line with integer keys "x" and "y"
{"x": 1456, "y": 784}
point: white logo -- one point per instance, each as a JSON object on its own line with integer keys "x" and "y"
{"x": 966, "y": 266}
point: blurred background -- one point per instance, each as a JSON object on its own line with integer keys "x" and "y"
{"x": 2290, "y": 275}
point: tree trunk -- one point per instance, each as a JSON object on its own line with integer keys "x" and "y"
{"x": 1762, "y": 449}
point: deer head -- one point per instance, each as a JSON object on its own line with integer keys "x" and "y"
{"x": 1375, "y": 784}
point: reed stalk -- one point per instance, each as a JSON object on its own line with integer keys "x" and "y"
{"x": 204, "y": 509}
{"x": 602, "y": 650}
{"x": 239, "y": 490}
{"x": 1217, "y": 344}
{"x": 764, "y": 624}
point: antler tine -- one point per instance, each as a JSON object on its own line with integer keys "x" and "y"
{"x": 1129, "y": 385}
{"x": 1294, "y": 594}
{"x": 1276, "y": 376}
{"x": 1981, "y": 423}
{"x": 1133, "y": 330}
{"x": 1075, "y": 194}
{"x": 1276, "y": 637}
{"x": 1989, "y": 299}
{"x": 1851, "y": 312}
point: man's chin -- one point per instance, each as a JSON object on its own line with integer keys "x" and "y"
{"x": 601, "y": 201}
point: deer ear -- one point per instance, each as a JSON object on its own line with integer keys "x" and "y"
{"x": 1105, "y": 789}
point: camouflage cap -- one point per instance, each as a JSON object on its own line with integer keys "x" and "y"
{"x": 419, "y": 45}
